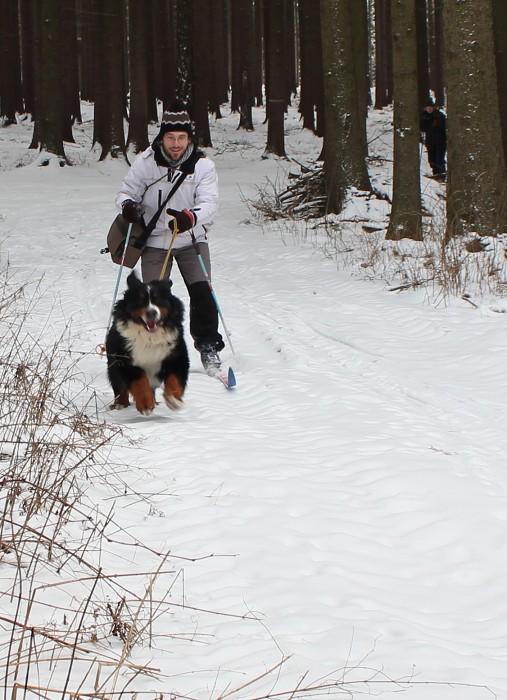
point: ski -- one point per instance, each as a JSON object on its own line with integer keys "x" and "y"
{"x": 228, "y": 380}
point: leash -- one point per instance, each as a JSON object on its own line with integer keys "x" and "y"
{"x": 101, "y": 348}
{"x": 208, "y": 280}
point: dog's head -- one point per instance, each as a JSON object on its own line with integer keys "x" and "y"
{"x": 151, "y": 305}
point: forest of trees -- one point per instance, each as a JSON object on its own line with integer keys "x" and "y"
{"x": 339, "y": 57}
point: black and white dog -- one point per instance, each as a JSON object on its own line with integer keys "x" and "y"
{"x": 145, "y": 346}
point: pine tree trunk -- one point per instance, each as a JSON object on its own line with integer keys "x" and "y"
{"x": 290, "y": 49}
{"x": 184, "y": 56}
{"x": 169, "y": 62}
{"x": 477, "y": 178}
{"x": 312, "y": 86}
{"x": 138, "y": 69}
{"x": 345, "y": 149}
{"x": 28, "y": 54}
{"x": 50, "y": 98}
{"x": 258, "y": 74}
{"x": 500, "y": 34}
{"x": 436, "y": 50}
{"x": 154, "y": 28}
{"x": 70, "y": 71}
{"x": 219, "y": 79}
{"x": 359, "y": 142}
{"x": 203, "y": 59}
{"x": 11, "y": 99}
{"x": 423, "y": 75}
{"x": 276, "y": 80}
{"x": 242, "y": 58}
{"x": 405, "y": 221}
{"x": 383, "y": 54}
{"x": 89, "y": 51}
{"x": 110, "y": 95}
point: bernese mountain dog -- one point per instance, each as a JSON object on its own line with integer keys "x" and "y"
{"x": 145, "y": 346}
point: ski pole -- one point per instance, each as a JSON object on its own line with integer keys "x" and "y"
{"x": 208, "y": 280}
{"x": 102, "y": 348}
{"x": 120, "y": 271}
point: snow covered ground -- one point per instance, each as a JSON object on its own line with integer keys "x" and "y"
{"x": 342, "y": 511}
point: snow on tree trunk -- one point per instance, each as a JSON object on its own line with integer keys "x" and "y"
{"x": 345, "y": 138}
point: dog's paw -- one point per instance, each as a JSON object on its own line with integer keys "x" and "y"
{"x": 117, "y": 406}
{"x": 172, "y": 402}
{"x": 145, "y": 404}
{"x": 145, "y": 411}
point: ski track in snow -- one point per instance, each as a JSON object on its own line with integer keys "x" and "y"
{"x": 351, "y": 489}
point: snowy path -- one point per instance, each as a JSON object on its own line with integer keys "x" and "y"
{"x": 351, "y": 490}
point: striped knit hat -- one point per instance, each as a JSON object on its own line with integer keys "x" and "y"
{"x": 176, "y": 119}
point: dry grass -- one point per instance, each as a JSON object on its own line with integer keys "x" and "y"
{"x": 68, "y": 624}
{"x": 51, "y": 534}
{"x": 471, "y": 267}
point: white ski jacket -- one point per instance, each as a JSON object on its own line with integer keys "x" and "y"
{"x": 149, "y": 184}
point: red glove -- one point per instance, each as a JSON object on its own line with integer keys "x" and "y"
{"x": 185, "y": 219}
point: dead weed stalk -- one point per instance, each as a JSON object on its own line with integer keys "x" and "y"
{"x": 355, "y": 239}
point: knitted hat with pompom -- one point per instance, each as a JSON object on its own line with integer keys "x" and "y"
{"x": 176, "y": 119}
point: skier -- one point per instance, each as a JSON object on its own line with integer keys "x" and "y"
{"x": 173, "y": 155}
{"x": 434, "y": 136}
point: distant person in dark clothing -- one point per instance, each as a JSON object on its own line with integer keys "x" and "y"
{"x": 433, "y": 135}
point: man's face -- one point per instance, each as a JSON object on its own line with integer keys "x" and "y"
{"x": 175, "y": 143}
{"x": 430, "y": 108}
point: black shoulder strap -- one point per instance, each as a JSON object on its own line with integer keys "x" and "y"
{"x": 187, "y": 168}
{"x": 148, "y": 228}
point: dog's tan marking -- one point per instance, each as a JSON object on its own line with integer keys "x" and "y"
{"x": 173, "y": 392}
{"x": 143, "y": 395}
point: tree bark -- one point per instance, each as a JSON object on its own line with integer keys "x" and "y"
{"x": 290, "y": 49}
{"x": 70, "y": 71}
{"x": 242, "y": 61}
{"x": 477, "y": 178}
{"x": 436, "y": 45}
{"x": 405, "y": 221}
{"x": 154, "y": 28}
{"x": 184, "y": 55}
{"x": 311, "y": 104}
{"x": 11, "y": 96}
{"x": 500, "y": 34}
{"x": 138, "y": 69}
{"x": 258, "y": 75}
{"x": 49, "y": 99}
{"x": 276, "y": 80}
{"x": 28, "y": 26}
{"x": 88, "y": 49}
{"x": 423, "y": 74}
{"x": 345, "y": 149}
{"x": 219, "y": 80}
{"x": 359, "y": 144}
{"x": 110, "y": 95}
{"x": 383, "y": 54}
{"x": 203, "y": 62}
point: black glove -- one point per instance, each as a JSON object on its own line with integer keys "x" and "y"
{"x": 185, "y": 219}
{"x": 131, "y": 211}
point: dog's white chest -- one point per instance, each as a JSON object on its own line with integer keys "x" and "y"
{"x": 149, "y": 350}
